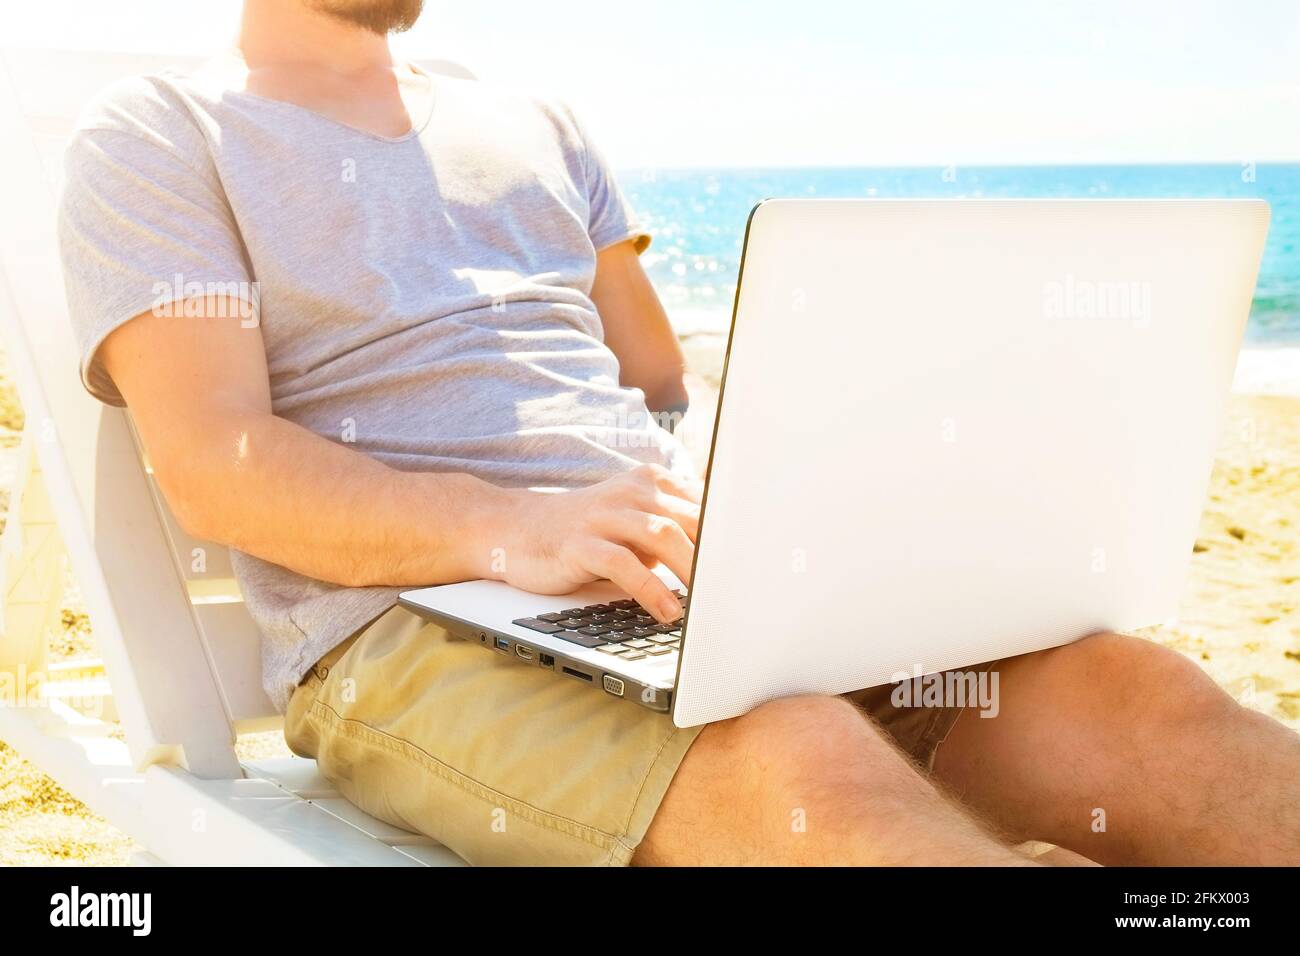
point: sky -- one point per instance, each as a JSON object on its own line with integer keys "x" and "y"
{"x": 834, "y": 82}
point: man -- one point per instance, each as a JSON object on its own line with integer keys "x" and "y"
{"x": 449, "y": 374}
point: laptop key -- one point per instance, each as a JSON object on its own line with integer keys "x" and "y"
{"x": 572, "y": 623}
{"x": 613, "y": 648}
{"x": 553, "y": 618}
{"x": 533, "y": 624}
{"x": 594, "y": 630}
{"x": 639, "y": 632}
{"x": 633, "y": 655}
{"x": 665, "y": 628}
{"x": 658, "y": 650}
{"x": 663, "y": 639}
{"x": 573, "y": 612}
{"x": 624, "y": 604}
{"x": 581, "y": 639}
{"x": 638, "y": 643}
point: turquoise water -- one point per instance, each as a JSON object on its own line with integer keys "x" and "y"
{"x": 698, "y": 219}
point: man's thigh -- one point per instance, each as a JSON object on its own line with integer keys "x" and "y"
{"x": 503, "y": 763}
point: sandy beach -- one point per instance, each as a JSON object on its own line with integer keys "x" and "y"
{"x": 1239, "y": 619}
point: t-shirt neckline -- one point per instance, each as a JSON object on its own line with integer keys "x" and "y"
{"x": 416, "y": 127}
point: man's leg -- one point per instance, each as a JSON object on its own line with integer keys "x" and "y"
{"x": 809, "y": 780}
{"x": 1126, "y": 752}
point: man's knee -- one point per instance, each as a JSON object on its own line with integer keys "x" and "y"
{"x": 1135, "y": 681}
{"x": 810, "y": 740}
{"x": 789, "y": 729}
{"x": 781, "y": 758}
{"x": 761, "y": 778}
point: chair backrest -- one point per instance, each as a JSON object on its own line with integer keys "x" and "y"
{"x": 180, "y": 651}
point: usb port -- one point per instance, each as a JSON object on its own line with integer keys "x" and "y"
{"x": 503, "y": 645}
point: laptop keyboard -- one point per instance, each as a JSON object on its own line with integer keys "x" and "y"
{"x": 621, "y": 628}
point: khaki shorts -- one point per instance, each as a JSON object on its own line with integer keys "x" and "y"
{"x": 501, "y": 762}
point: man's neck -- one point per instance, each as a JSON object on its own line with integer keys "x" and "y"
{"x": 288, "y": 33}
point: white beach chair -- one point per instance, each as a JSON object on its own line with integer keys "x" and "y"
{"x": 180, "y": 664}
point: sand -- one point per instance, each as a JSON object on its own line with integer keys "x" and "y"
{"x": 1239, "y": 619}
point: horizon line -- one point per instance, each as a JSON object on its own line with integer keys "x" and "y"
{"x": 1070, "y": 164}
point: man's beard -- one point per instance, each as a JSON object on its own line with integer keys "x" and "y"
{"x": 377, "y": 16}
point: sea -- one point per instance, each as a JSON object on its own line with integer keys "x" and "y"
{"x": 697, "y": 218}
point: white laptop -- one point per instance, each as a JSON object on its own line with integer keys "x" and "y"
{"x": 950, "y": 432}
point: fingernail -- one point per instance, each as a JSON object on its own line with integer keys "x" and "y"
{"x": 670, "y": 610}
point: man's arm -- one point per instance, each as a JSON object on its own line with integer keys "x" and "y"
{"x": 637, "y": 329}
{"x": 235, "y": 473}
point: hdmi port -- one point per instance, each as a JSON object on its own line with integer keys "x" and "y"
{"x": 578, "y": 674}
{"x": 523, "y": 653}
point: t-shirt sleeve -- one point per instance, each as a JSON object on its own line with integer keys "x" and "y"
{"x": 141, "y": 227}
{"x": 610, "y": 218}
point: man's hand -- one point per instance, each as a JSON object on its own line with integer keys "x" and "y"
{"x": 617, "y": 529}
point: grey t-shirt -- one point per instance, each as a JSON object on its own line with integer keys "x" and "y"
{"x": 424, "y": 298}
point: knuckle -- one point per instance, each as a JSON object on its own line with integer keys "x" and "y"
{"x": 651, "y": 473}
{"x": 658, "y": 526}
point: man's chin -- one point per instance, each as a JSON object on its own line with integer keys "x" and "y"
{"x": 377, "y": 16}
